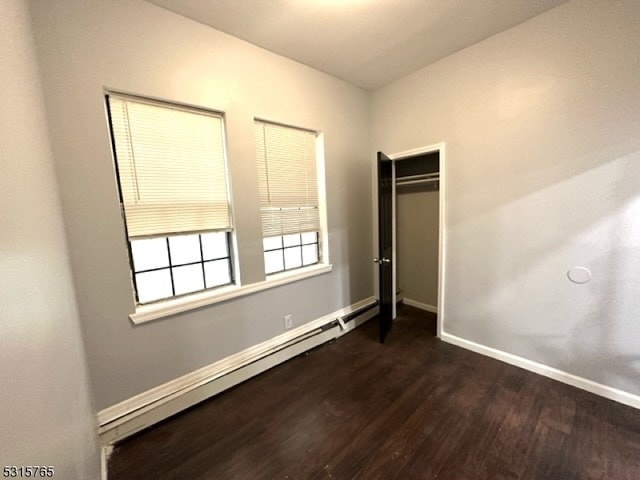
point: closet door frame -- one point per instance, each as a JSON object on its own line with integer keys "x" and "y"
{"x": 440, "y": 148}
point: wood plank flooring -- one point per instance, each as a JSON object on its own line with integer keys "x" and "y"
{"x": 413, "y": 408}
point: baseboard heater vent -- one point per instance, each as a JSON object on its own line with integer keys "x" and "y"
{"x": 150, "y": 407}
{"x": 361, "y": 311}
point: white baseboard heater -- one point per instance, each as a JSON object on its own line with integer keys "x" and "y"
{"x": 148, "y": 408}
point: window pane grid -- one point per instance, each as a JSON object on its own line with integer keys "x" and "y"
{"x": 152, "y": 284}
{"x": 180, "y": 265}
{"x": 296, "y": 251}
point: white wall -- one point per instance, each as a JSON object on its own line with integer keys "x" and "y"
{"x": 542, "y": 130}
{"x": 417, "y": 232}
{"x": 133, "y": 46}
{"x": 45, "y": 405}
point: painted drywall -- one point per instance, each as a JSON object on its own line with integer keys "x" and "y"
{"x": 417, "y": 243}
{"x": 85, "y": 46}
{"x": 47, "y": 418}
{"x": 542, "y": 132}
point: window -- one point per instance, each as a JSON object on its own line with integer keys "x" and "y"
{"x": 289, "y": 206}
{"x": 180, "y": 264}
{"x": 286, "y": 252}
{"x": 172, "y": 178}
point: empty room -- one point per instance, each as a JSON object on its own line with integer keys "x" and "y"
{"x": 320, "y": 239}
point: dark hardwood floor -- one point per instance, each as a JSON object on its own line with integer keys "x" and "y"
{"x": 413, "y": 408}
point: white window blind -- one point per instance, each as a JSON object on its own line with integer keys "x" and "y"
{"x": 288, "y": 178}
{"x": 171, "y": 167}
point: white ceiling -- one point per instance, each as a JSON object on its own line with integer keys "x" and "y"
{"x": 368, "y": 43}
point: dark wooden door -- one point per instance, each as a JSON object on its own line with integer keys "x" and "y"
{"x": 385, "y": 243}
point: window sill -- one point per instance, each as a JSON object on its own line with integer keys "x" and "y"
{"x": 147, "y": 313}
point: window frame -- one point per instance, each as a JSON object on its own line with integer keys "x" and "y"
{"x": 322, "y": 234}
{"x": 232, "y": 259}
{"x": 170, "y": 267}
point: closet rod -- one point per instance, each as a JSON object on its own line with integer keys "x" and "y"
{"x": 419, "y": 177}
{"x": 417, "y": 182}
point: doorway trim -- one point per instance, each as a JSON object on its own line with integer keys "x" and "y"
{"x": 440, "y": 148}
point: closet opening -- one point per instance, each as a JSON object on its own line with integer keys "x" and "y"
{"x": 418, "y": 226}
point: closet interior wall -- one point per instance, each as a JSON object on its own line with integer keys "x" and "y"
{"x": 417, "y": 229}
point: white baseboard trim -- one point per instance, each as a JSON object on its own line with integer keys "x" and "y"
{"x": 420, "y": 305}
{"x": 141, "y": 411}
{"x": 611, "y": 393}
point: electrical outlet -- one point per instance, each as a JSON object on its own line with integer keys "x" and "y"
{"x": 288, "y": 321}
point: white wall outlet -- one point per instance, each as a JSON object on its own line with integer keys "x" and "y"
{"x": 288, "y": 321}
